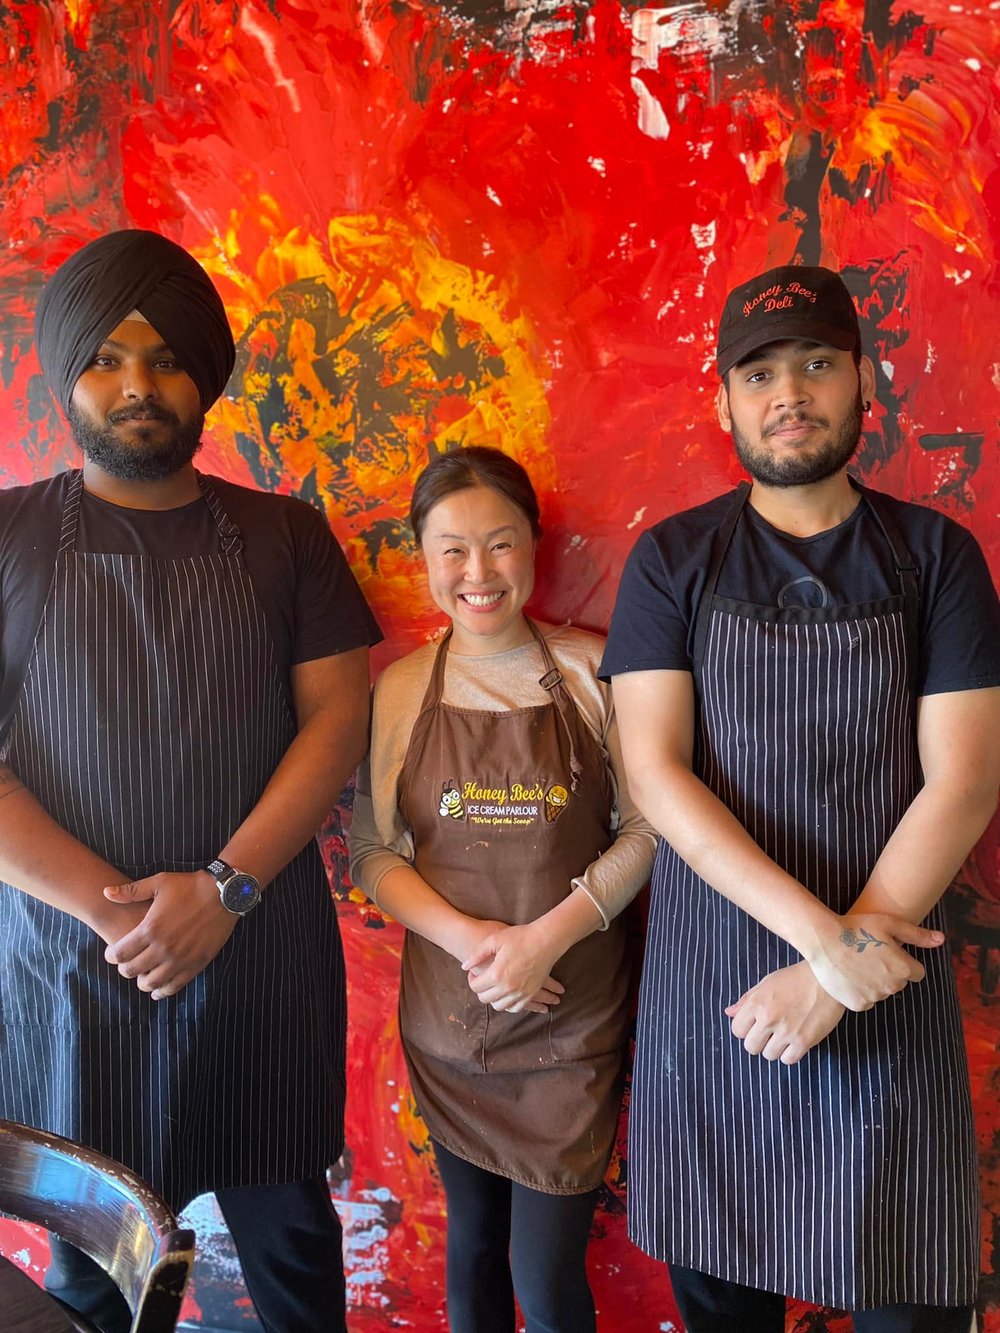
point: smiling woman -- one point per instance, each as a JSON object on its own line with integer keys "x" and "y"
{"x": 485, "y": 822}
{"x": 480, "y": 556}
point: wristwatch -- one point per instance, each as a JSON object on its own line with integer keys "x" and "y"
{"x": 239, "y": 892}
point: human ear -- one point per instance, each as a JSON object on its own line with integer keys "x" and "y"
{"x": 866, "y": 376}
{"x": 722, "y": 408}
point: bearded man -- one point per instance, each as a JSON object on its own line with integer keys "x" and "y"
{"x": 805, "y": 679}
{"x": 184, "y": 694}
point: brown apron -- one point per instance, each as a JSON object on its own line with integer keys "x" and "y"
{"x": 505, "y": 809}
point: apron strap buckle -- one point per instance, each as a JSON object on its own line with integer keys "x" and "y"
{"x": 551, "y": 679}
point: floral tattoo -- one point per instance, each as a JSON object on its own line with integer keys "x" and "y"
{"x": 851, "y": 940}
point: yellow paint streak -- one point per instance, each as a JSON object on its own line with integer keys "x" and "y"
{"x": 923, "y": 137}
{"x": 378, "y": 352}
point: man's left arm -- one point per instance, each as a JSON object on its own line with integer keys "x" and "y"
{"x": 186, "y": 924}
{"x": 958, "y": 737}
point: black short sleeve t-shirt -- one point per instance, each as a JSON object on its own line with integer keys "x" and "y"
{"x": 959, "y": 616}
{"x": 312, "y": 603}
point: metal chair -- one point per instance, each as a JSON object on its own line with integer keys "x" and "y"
{"x": 105, "y": 1210}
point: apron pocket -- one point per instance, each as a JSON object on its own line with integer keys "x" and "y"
{"x": 438, "y": 1012}
{"x": 516, "y": 1043}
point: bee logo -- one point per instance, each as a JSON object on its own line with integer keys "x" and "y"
{"x": 451, "y": 802}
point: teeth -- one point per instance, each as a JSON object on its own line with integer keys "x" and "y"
{"x": 484, "y": 599}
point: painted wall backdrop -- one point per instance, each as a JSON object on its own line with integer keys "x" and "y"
{"x": 514, "y": 222}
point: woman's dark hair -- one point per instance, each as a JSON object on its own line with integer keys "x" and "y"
{"x": 476, "y": 465}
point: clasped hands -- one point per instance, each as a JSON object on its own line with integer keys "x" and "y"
{"x": 509, "y": 968}
{"x": 859, "y": 962}
{"x": 165, "y": 929}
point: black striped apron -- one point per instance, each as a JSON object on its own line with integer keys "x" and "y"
{"x": 153, "y": 714}
{"x": 850, "y": 1178}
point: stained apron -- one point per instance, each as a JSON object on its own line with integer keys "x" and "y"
{"x": 152, "y": 716}
{"x": 850, "y": 1178}
{"x": 505, "y": 809}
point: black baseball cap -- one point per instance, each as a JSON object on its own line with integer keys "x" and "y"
{"x": 791, "y": 302}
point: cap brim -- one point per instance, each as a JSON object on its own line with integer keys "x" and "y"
{"x": 779, "y": 328}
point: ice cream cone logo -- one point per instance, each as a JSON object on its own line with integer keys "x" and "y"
{"x": 451, "y": 802}
{"x": 555, "y": 802}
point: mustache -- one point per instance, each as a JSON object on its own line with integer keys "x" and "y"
{"x": 793, "y": 419}
{"x": 142, "y": 412}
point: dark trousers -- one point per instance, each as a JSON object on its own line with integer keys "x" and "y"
{"x": 289, "y": 1241}
{"x": 710, "y": 1305}
{"x": 504, "y": 1238}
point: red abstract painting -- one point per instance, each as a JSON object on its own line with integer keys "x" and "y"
{"x": 515, "y": 223}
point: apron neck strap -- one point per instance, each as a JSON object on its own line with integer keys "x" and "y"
{"x": 432, "y": 697}
{"x": 229, "y": 534}
{"x": 554, "y": 686}
{"x": 719, "y": 548}
{"x": 906, "y": 571}
{"x": 551, "y": 682}
{"x": 71, "y": 512}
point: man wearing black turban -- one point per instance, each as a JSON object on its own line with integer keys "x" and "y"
{"x": 184, "y": 695}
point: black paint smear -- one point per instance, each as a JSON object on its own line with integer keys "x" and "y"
{"x": 310, "y": 493}
{"x": 389, "y": 532}
{"x": 970, "y": 443}
{"x": 880, "y": 292}
{"x": 806, "y": 167}
{"x": 877, "y": 180}
{"x": 886, "y": 31}
{"x": 370, "y": 380}
{"x": 955, "y": 486}
{"x": 467, "y": 361}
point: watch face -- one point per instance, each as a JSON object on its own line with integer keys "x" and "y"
{"x": 240, "y": 893}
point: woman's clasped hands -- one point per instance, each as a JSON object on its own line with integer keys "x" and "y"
{"x": 510, "y": 970}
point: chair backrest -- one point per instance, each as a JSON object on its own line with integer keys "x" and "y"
{"x": 105, "y": 1210}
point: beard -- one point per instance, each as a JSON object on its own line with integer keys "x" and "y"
{"x": 806, "y": 466}
{"x": 150, "y": 455}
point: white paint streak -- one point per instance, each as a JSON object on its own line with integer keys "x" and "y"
{"x": 267, "y": 45}
{"x": 599, "y": 165}
{"x": 683, "y": 28}
{"x": 637, "y": 519}
{"x": 889, "y": 369}
{"x": 703, "y": 237}
{"x": 931, "y": 358}
{"x": 686, "y": 28}
{"x": 493, "y": 197}
{"x": 652, "y": 118}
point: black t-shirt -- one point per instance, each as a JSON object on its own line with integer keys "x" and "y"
{"x": 312, "y": 603}
{"x": 959, "y": 616}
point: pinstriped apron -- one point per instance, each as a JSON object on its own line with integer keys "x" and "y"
{"x": 850, "y": 1178}
{"x": 153, "y": 714}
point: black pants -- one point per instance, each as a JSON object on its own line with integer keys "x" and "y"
{"x": 504, "y": 1238}
{"x": 710, "y": 1305}
{"x": 289, "y": 1241}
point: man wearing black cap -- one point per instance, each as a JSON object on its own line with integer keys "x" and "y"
{"x": 805, "y": 677}
{"x": 184, "y": 694}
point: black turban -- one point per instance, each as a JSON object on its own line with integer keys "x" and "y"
{"x": 95, "y": 289}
